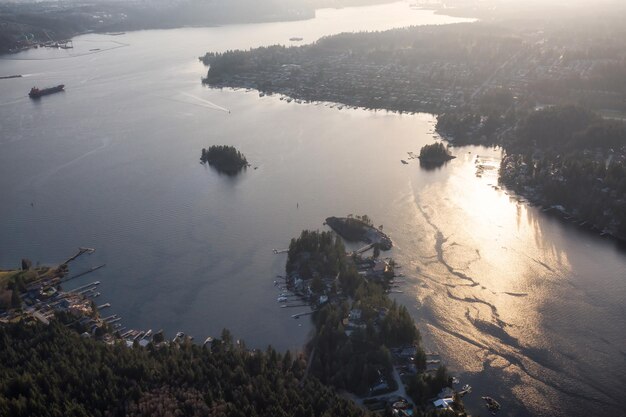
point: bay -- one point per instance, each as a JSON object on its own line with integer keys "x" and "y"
{"x": 525, "y": 308}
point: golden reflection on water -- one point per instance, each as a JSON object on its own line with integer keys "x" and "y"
{"x": 487, "y": 270}
{"x": 494, "y": 238}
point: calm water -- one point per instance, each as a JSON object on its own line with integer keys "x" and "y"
{"x": 524, "y": 308}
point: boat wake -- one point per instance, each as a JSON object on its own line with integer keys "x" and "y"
{"x": 206, "y": 103}
{"x": 40, "y": 179}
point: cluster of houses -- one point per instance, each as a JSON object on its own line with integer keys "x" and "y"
{"x": 374, "y": 268}
{"x": 43, "y": 300}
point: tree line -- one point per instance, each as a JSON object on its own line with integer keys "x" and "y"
{"x": 52, "y": 371}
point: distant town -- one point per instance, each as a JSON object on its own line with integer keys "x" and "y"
{"x": 434, "y": 68}
{"x": 542, "y": 93}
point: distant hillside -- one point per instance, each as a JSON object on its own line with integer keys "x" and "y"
{"x": 23, "y": 25}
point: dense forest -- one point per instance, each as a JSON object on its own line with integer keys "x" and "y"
{"x": 224, "y": 158}
{"x": 571, "y": 158}
{"x": 52, "y": 371}
{"x": 355, "y": 228}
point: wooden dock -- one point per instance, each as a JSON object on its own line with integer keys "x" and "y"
{"x": 297, "y": 315}
{"x": 79, "y": 253}
{"x": 364, "y": 249}
{"x": 90, "y": 270}
{"x": 82, "y": 287}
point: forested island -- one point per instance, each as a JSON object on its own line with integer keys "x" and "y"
{"x": 435, "y": 153}
{"x": 360, "y": 228}
{"x": 364, "y": 342}
{"x": 226, "y": 159}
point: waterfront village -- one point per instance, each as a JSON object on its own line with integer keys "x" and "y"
{"x": 35, "y": 294}
{"x": 365, "y": 344}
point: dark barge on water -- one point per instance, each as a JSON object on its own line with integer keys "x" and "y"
{"x": 36, "y": 92}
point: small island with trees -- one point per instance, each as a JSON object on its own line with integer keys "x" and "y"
{"x": 360, "y": 228}
{"x": 224, "y": 158}
{"x": 435, "y": 153}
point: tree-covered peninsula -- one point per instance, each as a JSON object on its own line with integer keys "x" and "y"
{"x": 224, "y": 158}
{"x": 364, "y": 342}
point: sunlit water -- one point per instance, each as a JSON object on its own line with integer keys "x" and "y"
{"x": 524, "y": 308}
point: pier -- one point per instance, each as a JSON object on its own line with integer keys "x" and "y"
{"x": 82, "y": 287}
{"x": 297, "y": 315}
{"x": 90, "y": 270}
{"x": 363, "y": 249}
{"x": 90, "y": 289}
{"x": 79, "y": 253}
{"x": 293, "y": 305}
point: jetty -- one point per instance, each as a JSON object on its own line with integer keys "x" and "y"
{"x": 90, "y": 270}
{"x": 297, "y": 315}
{"x": 85, "y": 291}
{"x": 79, "y": 253}
{"x": 363, "y": 249}
{"x": 82, "y": 287}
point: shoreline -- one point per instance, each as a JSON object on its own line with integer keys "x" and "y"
{"x": 566, "y": 217}
{"x": 76, "y": 309}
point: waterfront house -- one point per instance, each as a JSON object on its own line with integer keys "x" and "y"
{"x": 443, "y": 404}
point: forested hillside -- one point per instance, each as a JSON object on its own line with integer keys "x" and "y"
{"x": 52, "y": 371}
